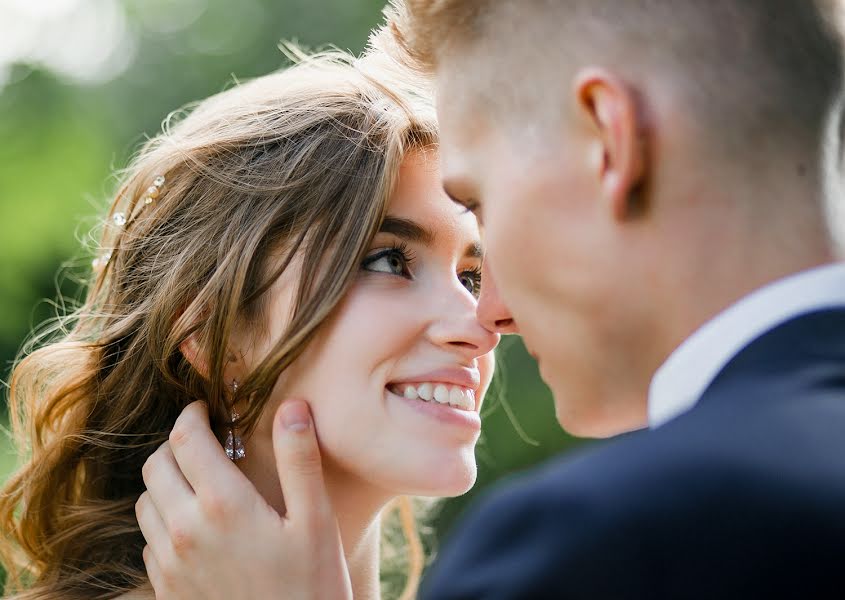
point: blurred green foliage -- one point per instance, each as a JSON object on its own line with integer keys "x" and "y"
{"x": 61, "y": 141}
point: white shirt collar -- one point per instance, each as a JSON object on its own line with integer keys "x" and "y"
{"x": 682, "y": 379}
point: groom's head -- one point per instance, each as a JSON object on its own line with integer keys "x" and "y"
{"x": 637, "y": 165}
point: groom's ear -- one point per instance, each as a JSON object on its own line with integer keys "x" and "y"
{"x": 618, "y": 152}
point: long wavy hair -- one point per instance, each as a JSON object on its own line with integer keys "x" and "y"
{"x": 308, "y": 156}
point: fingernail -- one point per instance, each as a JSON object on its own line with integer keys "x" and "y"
{"x": 295, "y": 415}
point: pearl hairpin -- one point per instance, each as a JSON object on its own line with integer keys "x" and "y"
{"x": 119, "y": 219}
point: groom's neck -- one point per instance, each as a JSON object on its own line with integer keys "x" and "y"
{"x": 730, "y": 246}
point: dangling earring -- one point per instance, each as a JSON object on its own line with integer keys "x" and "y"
{"x": 234, "y": 445}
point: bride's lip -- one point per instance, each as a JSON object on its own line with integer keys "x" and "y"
{"x": 461, "y": 376}
{"x": 443, "y": 413}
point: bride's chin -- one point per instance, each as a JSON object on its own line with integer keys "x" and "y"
{"x": 460, "y": 488}
{"x": 447, "y": 482}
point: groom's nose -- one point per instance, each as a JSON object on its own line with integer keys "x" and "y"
{"x": 492, "y": 312}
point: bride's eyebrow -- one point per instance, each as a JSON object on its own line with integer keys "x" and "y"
{"x": 414, "y": 232}
{"x": 408, "y": 230}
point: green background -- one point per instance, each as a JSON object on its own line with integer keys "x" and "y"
{"x": 63, "y": 135}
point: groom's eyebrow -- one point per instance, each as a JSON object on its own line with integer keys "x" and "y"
{"x": 408, "y": 230}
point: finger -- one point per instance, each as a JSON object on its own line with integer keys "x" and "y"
{"x": 154, "y": 573}
{"x": 151, "y": 523}
{"x": 168, "y": 491}
{"x": 165, "y": 482}
{"x": 200, "y": 457}
{"x": 298, "y": 462}
{"x": 157, "y": 538}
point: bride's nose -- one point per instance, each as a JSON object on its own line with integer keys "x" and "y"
{"x": 457, "y": 327}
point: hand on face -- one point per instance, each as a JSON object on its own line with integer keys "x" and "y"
{"x": 211, "y": 535}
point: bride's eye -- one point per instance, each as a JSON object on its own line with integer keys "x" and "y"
{"x": 393, "y": 261}
{"x": 471, "y": 280}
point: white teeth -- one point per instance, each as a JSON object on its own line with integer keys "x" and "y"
{"x": 455, "y": 396}
{"x": 462, "y": 398}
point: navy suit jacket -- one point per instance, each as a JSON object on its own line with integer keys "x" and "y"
{"x": 741, "y": 497}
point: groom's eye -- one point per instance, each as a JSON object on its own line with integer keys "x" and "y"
{"x": 475, "y": 208}
{"x": 469, "y": 204}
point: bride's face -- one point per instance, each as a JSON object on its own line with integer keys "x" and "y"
{"x": 407, "y": 328}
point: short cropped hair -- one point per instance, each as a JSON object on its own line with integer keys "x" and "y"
{"x": 752, "y": 70}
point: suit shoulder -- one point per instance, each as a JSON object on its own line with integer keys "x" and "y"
{"x": 622, "y": 465}
{"x": 551, "y": 524}
{"x": 693, "y": 470}
{"x": 674, "y": 469}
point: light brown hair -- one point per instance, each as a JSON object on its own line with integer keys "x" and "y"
{"x": 756, "y": 73}
{"x": 303, "y": 159}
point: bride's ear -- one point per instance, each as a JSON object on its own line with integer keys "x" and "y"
{"x": 196, "y": 356}
{"x": 192, "y": 352}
